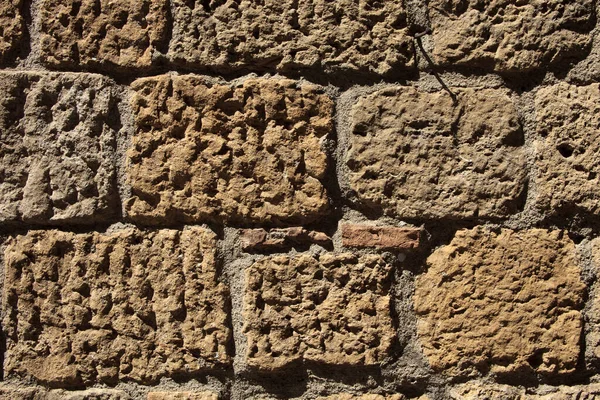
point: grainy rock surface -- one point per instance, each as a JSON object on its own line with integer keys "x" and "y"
{"x": 13, "y": 392}
{"x": 12, "y": 34}
{"x": 57, "y": 144}
{"x": 346, "y": 35}
{"x": 331, "y": 310}
{"x": 383, "y": 237}
{"x": 593, "y": 313}
{"x": 182, "y": 396}
{"x": 504, "y": 302}
{"x": 567, "y": 138}
{"x": 131, "y": 305}
{"x": 414, "y": 154}
{"x": 347, "y": 396}
{"x": 103, "y": 34}
{"x": 210, "y": 152}
{"x": 508, "y": 36}
{"x": 281, "y": 238}
{"x": 490, "y": 391}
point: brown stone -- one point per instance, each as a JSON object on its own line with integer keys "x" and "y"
{"x": 57, "y": 144}
{"x": 477, "y": 390}
{"x": 280, "y": 238}
{"x": 593, "y": 312}
{"x": 12, "y": 34}
{"x": 383, "y": 237}
{"x": 504, "y": 302}
{"x": 331, "y": 310}
{"x": 214, "y": 152}
{"x": 348, "y": 396}
{"x": 567, "y": 138}
{"x": 414, "y": 154}
{"x": 505, "y": 36}
{"x": 124, "y": 34}
{"x": 340, "y": 36}
{"x": 130, "y": 305}
{"x": 182, "y": 396}
{"x": 13, "y": 392}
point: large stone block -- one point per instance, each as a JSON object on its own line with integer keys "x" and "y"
{"x": 12, "y": 33}
{"x": 103, "y": 34}
{"x": 504, "y": 302}
{"x": 508, "y": 36}
{"x": 414, "y": 154}
{"x": 334, "y": 309}
{"x": 183, "y": 396}
{"x": 343, "y": 36}
{"x": 242, "y": 153}
{"x": 57, "y": 144}
{"x": 478, "y": 390}
{"x": 130, "y": 305}
{"x": 567, "y": 139}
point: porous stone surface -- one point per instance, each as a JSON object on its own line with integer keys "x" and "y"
{"x": 593, "y": 311}
{"x": 413, "y": 154}
{"x": 334, "y": 309}
{"x": 182, "y": 396}
{"x": 348, "y": 396}
{"x": 99, "y": 308}
{"x": 14, "y": 392}
{"x": 478, "y": 390}
{"x": 103, "y": 34}
{"x": 344, "y": 36}
{"x": 383, "y": 237}
{"x": 281, "y": 238}
{"x": 57, "y": 144}
{"x": 567, "y": 135}
{"x": 505, "y": 302}
{"x": 508, "y": 36}
{"x": 243, "y": 153}
{"x": 12, "y": 34}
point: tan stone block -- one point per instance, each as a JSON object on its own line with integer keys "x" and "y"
{"x": 331, "y": 310}
{"x": 183, "y": 396}
{"x": 14, "y": 392}
{"x": 501, "y": 302}
{"x": 506, "y": 36}
{"x": 593, "y": 311}
{"x": 124, "y": 34}
{"x": 478, "y": 390}
{"x": 567, "y": 136}
{"x": 57, "y": 144}
{"x": 384, "y": 237}
{"x": 12, "y": 35}
{"x": 415, "y": 154}
{"x": 89, "y": 394}
{"x": 343, "y": 36}
{"x": 129, "y": 305}
{"x": 215, "y": 152}
{"x": 348, "y": 396}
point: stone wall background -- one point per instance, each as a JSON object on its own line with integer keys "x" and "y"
{"x": 354, "y": 199}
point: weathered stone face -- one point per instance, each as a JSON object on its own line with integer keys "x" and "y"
{"x": 383, "y": 237}
{"x": 105, "y": 34}
{"x": 348, "y": 396}
{"x": 414, "y": 154}
{"x": 346, "y": 35}
{"x": 57, "y": 144}
{"x": 182, "y": 396}
{"x": 88, "y": 308}
{"x": 14, "y": 392}
{"x": 567, "y": 140}
{"x": 477, "y": 390}
{"x": 13, "y": 27}
{"x": 593, "y": 311}
{"x": 506, "y": 302}
{"x": 210, "y": 152}
{"x": 331, "y": 310}
{"x": 506, "y": 36}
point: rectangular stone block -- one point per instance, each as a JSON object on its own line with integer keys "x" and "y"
{"x": 333, "y": 309}
{"x": 12, "y": 34}
{"x": 336, "y": 36}
{"x": 567, "y": 160}
{"x": 103, "y": 34}
{"x": 490, "y": 391}
{"x": 414, "y": 154}
{"x": 510, "y": 37}
{"x": 281, "y": 238}
{"x": 14, "y": 392}
{"x": 383, "y": 237}
{"x": 244, "y": 153}
{"x": 57, "y": 148}
{"x": 105, "y": 307}
{"x": 183, "y": 396}
{"x": 502, "y": 302}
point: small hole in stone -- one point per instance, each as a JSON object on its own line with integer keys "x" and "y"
{"x": 565, "y": 150}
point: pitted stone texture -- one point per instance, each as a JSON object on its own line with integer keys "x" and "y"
{"x": 211, "y": 152}
{"x": 593, "y": 312}
{"x": 414, "y": 154}
{"x": 331, "y": 310}
{"x": 504, "y": 303}
{"x": 281, "y": 238}
{"x": 567, "y": 138}
{"x": 348, "y": 396}
{"x": 383, "y": 237}
{"x": 12, "y": 392}
{"x": 103, "y": 34}
{"x": 182, "y": 396}
{"x": 12, "y": 34}
{"x": 490, "y": 391}
{"x": 506, "y": 36}
{"x": 57, "y": 144}
{"x": 131, "y": 305}
{"x": 343, "y": 36}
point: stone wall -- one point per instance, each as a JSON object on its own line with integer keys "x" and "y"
{"x": 294, "y": 199}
